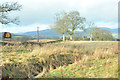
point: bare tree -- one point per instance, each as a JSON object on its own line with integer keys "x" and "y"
{"x": 60, "y": 24}
{"x": 75, "y": 22}
{"x": 91, "y": 31}
{"x": 5, "y": 9}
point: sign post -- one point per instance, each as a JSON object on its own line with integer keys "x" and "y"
{"x": 7, "y": 35}
{"x": 37, "y": 34}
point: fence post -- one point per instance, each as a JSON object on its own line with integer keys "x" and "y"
{"x": 37, "y": 34}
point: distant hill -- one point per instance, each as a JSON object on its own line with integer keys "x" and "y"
{"x": 111, "y": 30}
{"x": 46, "y": 32}
{"x": 49, "y": 32}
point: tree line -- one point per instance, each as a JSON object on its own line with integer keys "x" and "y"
{"x": 69, "y": 22}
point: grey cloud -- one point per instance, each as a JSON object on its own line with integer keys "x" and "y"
{"x": 43, "y": 11}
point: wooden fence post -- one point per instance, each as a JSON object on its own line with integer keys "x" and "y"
{"x": 37, "y": 34}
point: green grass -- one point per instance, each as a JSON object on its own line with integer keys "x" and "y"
{"x": 91, "y": 69}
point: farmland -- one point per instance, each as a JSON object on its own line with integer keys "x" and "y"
{"x": 68, "y": 59}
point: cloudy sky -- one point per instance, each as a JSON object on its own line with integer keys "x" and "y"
{"x": 41, "y": 13}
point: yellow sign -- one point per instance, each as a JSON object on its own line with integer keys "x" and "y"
{"x": 6, "y": 35}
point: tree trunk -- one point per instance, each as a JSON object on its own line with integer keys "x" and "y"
{"x": 71, "y": 38}
{"x": 63, "y": 37}
{"x": 91, "y": 37}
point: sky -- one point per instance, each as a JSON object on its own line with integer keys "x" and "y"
{"x": 41, "y": 13}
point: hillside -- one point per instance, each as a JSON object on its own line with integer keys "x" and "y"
{"x": 52, "y": 33}
{"x": 49, "y": 32}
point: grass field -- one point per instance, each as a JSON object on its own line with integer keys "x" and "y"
{"x": 70, "y": 59}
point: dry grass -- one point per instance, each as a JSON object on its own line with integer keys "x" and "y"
{"x": 42, "y": 59}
